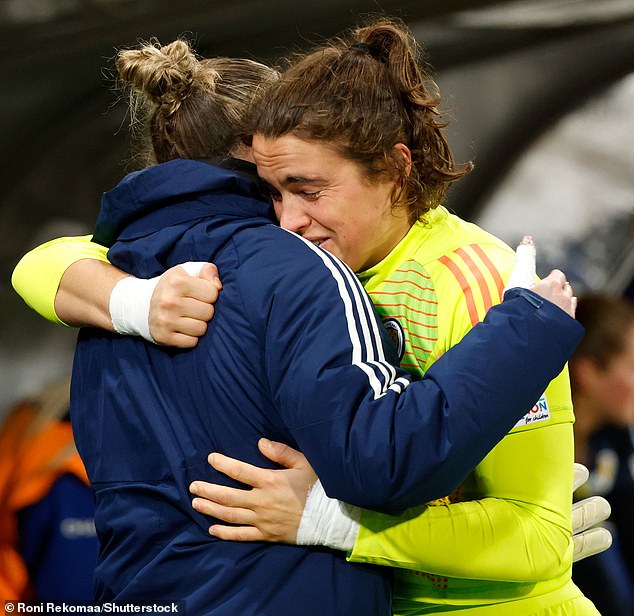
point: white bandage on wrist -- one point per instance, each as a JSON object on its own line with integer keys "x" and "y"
{"x": 327, "y": 521}
{"x": 130, "y": 302}
{"x": 523, "y": 274}
{"x": 130, "y": 306}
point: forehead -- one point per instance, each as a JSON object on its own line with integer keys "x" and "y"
{"x": 290, "y": 155}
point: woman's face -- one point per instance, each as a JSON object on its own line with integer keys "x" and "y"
{"x": 327, "y": 199}
{"x": 613, "y": 386}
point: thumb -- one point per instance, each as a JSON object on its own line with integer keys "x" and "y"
{"x": 581, "y": 475}
{"x": 209, "y": 271}
{"x": 523, "y": 274}
{"x": 281, "y": 454}
{"x": 204, "y": 270}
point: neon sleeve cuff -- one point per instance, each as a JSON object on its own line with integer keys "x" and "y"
{"x": 37, "y": 275}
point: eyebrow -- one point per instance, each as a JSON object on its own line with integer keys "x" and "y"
{"x": 294, "y": 179}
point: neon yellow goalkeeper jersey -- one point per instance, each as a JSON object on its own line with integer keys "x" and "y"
{"x": 509, "y": 551}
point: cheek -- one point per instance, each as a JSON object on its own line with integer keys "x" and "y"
{"x": 355, "y": 238}
{"x": 277, "y": 207}
{"x": 366, "y": 222}
{"x": 618, "y": 396}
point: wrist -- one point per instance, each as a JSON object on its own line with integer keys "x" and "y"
{"x": 130, "y": 306}
{"x": 328, "y": 521}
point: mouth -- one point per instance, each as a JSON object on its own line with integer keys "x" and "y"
{"x": 317, "y": 242}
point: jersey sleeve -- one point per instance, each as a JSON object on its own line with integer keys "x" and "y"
{"x": 374, "y": 439}
{"x": 518, "y": 531}
{"x": 37, "y": 275}
{"x": 513, "y": 521}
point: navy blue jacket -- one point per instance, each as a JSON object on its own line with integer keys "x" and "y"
{"x": 294, "y": 353}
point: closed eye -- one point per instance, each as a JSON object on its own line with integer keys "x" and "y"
{"x": 275, "y": 195}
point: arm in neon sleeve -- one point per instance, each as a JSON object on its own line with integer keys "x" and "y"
{"x": 444, "y": 424}
{"x": 518, "y": 531}
{"x": 68, "y": 281}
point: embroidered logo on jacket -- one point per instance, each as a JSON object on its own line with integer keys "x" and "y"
{"x": 397, "y": 335}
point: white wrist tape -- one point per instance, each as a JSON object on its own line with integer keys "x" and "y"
{"x": 327, "y": 521}
{"x": 130, "y": 302}
{"x": 523, "y": 274}
{"x": 130, "y": 306}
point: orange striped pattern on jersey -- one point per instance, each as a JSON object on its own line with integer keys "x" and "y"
{"x": 479, "y": 279}
{"x": 409, "y": 297}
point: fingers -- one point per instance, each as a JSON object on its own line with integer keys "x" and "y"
{"x": 581, "y": 474}
{"x": 180, "y": 315}
{"x": 275, "y": 502}
{"x": 227, "y": 513}
{"x": 202, "y": 269}
{"x": 202, "y": 289}
{"x": 238, "y": 470}
{"x": 209, "y": 272}
{"x": 245, "y": 508}
{"x": 236, "y": 533}
{"x": 590, "y": 543}
{"x": 557, "y": 277}
{"x": 556, "y": 289}
{"x": 178, "y": 331}
{"x": 177, "y": 283}
{"x": 282, "y": 454}
{"x": 181, "y": 306}
{"x": 223, "y": 502}
{"x": 192, "y": 326}
{"x": 174, "y": 339}
{"x": 588, "y": 512}
{"x": 193, "y": 313}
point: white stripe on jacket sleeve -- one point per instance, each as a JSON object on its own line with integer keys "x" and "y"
{"x": 367, "y": 347}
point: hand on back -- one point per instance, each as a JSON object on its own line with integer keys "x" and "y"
{"x": 183, "y": 303}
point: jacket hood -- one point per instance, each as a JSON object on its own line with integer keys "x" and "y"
{"x": 176, "y": 191}
{"x": 146, "y": 219}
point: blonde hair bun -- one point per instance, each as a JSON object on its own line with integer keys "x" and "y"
{"x": 165, "y": 75}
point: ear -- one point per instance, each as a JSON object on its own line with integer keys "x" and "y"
{"x": 402, "y": 150}
{"x": 586, "y": 371}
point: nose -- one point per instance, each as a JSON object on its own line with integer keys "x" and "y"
{"x": 292, "y": 214}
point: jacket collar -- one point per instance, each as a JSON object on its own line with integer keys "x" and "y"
{"x": 180, "y": 189}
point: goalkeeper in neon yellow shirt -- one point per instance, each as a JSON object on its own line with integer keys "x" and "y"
{"x": 505, "y": 537}
{"x": 502, "y": 543}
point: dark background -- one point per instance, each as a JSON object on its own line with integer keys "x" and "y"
{"x": 510, "y": 73}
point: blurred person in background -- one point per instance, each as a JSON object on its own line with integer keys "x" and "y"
{"x": 602, "y": 375}
{"x": 48, "y": 544}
